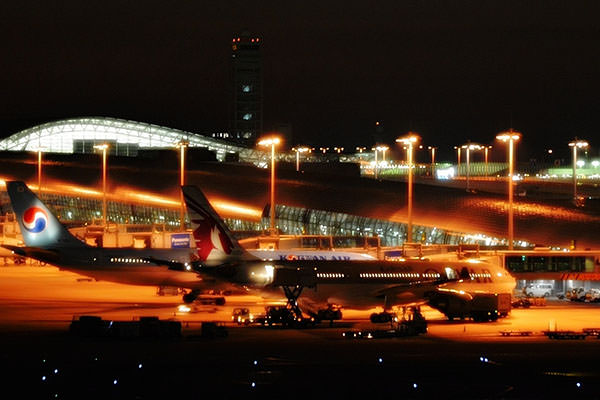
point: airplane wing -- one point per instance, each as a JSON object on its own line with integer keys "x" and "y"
{"x": 400, "y": 288}
{"x": 34, "y": 252}
{"x": 172, "y": 265}
{"x": 184, "y": 267}
{"x": 407, "y": 293}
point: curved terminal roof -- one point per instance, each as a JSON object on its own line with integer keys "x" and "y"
{"x": 58, "y": 137}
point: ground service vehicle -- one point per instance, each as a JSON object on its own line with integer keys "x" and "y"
{"x": 592, "y": 296}
{"x": 409, "y": 322}
{"x": 480, "y": 306}
{"x": 522, "y": 302}
{"x": 242, "y": 316}
{"x": 576, "y": 294}
{"x": 286, "y": 317}
{"x": 329, "y": 314}
{"x": 539, "y": 290}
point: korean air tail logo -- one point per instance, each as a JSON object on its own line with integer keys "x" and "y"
{"x": 35, "y": 219}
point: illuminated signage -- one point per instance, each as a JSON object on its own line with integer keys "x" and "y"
{"x": 180, "y": 240}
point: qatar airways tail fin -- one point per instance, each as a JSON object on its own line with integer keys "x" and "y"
{"x": 214, "y": 240}
{"x": 39, "y": 226}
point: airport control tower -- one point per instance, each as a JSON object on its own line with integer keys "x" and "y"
{"x": 247, "y": 113}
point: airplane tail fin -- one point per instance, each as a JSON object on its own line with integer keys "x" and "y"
{"x": 39, "y": 226}
{"x": 214, "y": 240}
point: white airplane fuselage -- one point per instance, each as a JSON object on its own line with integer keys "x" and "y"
{"x": 366, "y": 284}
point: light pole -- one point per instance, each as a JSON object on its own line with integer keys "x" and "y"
{"x": 182, "y": 145}
{"x": 271, "y": 142}
{"x": 360, "y": 151}
{"x": 469, "y": 147}
{"x": 298, "y": 150}
{"x": 458, "y": 158}
{"x": 432, "y": 160}
{"x": 382, "y": 148}
{"x": 409, "y": 140}
{"x": 575, "y": 144}
{"x": 485, "y": 150}
{"x": 39, "y": 170}
{"x": 103, "y": 147}
{"x": 375, "y": 150}
{"x": 511, "y": 137}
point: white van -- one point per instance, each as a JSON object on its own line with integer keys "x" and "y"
{"x": 540, "y": 290}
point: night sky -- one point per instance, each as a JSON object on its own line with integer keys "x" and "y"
{"x": 451, "y": 70}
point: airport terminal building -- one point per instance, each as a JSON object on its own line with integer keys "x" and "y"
{"x": 126, "y": 138}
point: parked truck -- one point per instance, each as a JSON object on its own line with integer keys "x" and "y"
{"x": 478, "y": 306}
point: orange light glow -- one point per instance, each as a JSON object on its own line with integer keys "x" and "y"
{"x": 510, "y": 135}
{"x": 269, "y": 141}
{"x": 534, "y": 210}
{"x": 70, "y": 189}
{"x": 224, "y": 207}
{"x": 410, "y": 138}
{"x": 81, "y": 190}
{"x": 125, "y": 194}
{"x": 579, "y": 143}
{"x": 455, "y": 291}
{"x": 102, "y": 146}
{"x": 152, "y": 198}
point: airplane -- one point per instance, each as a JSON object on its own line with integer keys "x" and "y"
{"x": 218, "y": 261}
{"x": 47, "y": 240}
{"x": 358, "y": 283}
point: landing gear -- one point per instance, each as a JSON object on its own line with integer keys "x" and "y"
{"x": 17, "y": 260}
{"x": 289, "y": 315}
{"x": 292, "y": 293}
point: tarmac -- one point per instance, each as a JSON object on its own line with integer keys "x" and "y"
{"x": 454, "y": 359}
